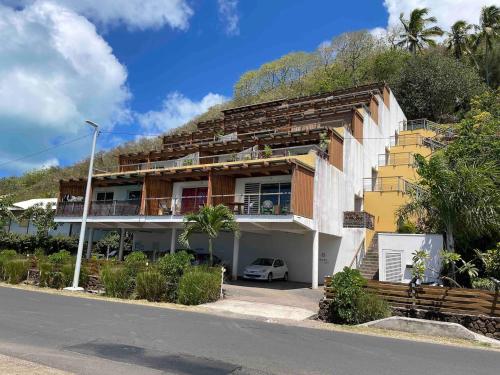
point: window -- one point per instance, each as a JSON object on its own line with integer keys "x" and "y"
{"x": 105, "y": 196}
{"x": 278, "y": 263}
{"x": 134, "y": 195}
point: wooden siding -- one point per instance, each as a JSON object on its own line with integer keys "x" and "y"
{"x": 374, "y": 109}
{"x": 387, "y": 96}
{"x": 432, "y": 298}
{"x": 155, "y": 187}
{"x": 221, "y": 185}
{"x": 74, "y": 188}
{"x": 302, "y": 192}
{"x": 357, "y": 126}
{"x": 336, "y": 152}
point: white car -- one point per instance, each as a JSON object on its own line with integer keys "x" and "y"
{"x": 266, "y": 269}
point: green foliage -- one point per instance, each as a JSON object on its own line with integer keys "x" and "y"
{"x": 416, "y": 34}
{"x": 42, "y": 218}
{"x": 136, "y": 262}
{"x": 59, "y": 258}
{"x": 199, "y": 285}
{"x": 117, "y": 281}
{"x": 16, "y": 270}
{"x": 5, "y": 256}
{"x": 267, "y": 152}
{"x": 5, "y": 213}
{"x": 110, "y": 241}
{"x": 435, "y": 86}
{"x": 371, "y": 307}
{"x": 27, "y": 244}
{"x": 172, "y": 267}
{"x": 491, "y": 259}
{"x": 210, "y": 220}
{"x": 151, "y": 285}
{"x": 347, "y": 287}
{"x": 407, "y": 226}
{"x": 483, "y": 283}
{"x": 419, "y": 265}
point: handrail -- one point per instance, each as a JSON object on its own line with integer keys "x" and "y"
{"x": 359, "y": 255}
{"x": 398, "y": 158}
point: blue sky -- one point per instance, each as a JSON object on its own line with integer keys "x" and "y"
{"x": 145, "y": 66}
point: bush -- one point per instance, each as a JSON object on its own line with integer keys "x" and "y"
{"x": 16, "y": 270}
{"x": 28, "y": 244}
{"x": 136, "y": 262}
{"x": 117, "y": 281}
{"x": 5, "y": 255}
{"x": 483, "y": 283}
{"x": 59, "y": 258}
{"x": 492, "y": 262}
{"x": 151, "y": 285}
{"x": 199, "y": 285}
{"x": 172, "y": 267}
{"x": 351, "y": 304}
{"x": 371, "y": 307}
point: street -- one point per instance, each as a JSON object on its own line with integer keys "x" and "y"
{"x": 99, "y": 337}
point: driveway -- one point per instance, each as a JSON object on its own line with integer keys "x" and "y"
{"x": 285, "y": 293}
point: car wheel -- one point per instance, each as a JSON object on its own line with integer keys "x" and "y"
{"x": 285, "y": 278}
{"x": 270, "y": 277}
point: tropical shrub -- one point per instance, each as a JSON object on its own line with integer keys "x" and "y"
{"x": 199, "y": 285}
{"x": 117, "y": 281}
{"x": 136, "y": 262}
{"x": 151, "y": 285}
{"x": 5, "y": 256}
{"x": 16, "y": 270}
{"x": 351, "y": 304}
{"x": 173, "y": 266}
{"x": 483, "y": 283}
{"x": 59, "y": 258}
{"x": 28, "y": 244}
{"x": 491, "y": 259}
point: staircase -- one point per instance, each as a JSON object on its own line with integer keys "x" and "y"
{"x": 369, "y": 264}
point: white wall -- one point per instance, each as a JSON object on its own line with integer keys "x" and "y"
{"x": 120, "y": 192}
{"x": 408, "y": 244}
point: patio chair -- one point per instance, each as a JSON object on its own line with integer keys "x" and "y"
{"x": 267, "y": 207}
{"x": 165, "y": 208}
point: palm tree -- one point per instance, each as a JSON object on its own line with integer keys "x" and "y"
{"x": 459, "y": 38}
{"x": 416, "y": 35}
{"x": 488, "y": 33}
{"x": 210, "y": 220}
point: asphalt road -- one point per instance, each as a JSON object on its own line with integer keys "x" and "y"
{"x": 98, "y": 337}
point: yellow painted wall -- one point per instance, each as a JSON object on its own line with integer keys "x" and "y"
{"x": 383, "y": 206}
{"x": 406, "y": 171}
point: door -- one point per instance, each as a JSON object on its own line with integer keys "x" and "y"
{"x": 278, "y": 269}
{"x": 193, "y": 198}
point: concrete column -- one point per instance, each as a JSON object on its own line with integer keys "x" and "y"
{"x": 173, "y": 240}
{"x": 122, "y": 242}
{"x": 315, "y": 259}
{"x": 90, "y": 238}
{"x": 236, "y": 252}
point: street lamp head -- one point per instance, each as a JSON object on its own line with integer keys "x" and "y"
{"x": 92, "y": 123}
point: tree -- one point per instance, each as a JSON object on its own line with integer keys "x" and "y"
{"x": 459, "y": 39}
{"x": 487, "y": 36}
{"x": 210, "y": 220}
{"x": 436, "y": 86}
{"x": 5, "y": 213}
{"x": 416, "y": 34}
{"x": 42, "y": 217}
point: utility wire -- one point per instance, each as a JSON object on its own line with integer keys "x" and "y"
{"x": 43, "y": 151}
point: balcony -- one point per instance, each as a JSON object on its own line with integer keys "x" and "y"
{"x": 399, "y": 158}
{"x": 246, "y": 155}
{"x": 115, "y": 208}
{"x": 73, "y": 209}
{"x": 278, "y": 203}
{"x": 358, "y": 219}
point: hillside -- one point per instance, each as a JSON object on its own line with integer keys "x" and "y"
{"x": 433, "y": 84}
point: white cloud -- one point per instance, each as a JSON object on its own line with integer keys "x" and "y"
{"x": 55, "y": 71}
{"x": 176, "y": 110}
{"x": 228, "y": 12}
{"x": 135, "y": 14}
{"x": 447, "y": 12}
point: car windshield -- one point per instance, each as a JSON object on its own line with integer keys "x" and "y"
{"x": 263, "y": 262}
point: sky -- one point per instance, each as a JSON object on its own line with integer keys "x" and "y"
{"x": 142, "y": 67}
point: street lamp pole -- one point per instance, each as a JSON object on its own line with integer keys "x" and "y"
{"x": 86, "y": 205}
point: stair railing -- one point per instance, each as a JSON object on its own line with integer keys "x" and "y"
{"x": 359, "y": 256}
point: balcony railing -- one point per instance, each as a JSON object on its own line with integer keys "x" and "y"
{"x": 358, "y": 219}
{"x": 418, "y": 124}
{"x": 278, "y": 203}
{"x": 384, "y": 184}
{"x": 399, "y": 158}
{"x": 407, "y": 140}
{"x": 248, "y": 154}
{"x": 115, "y": 208}
{"x": 69, "y": 209}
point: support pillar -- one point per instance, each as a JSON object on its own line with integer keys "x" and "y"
{"x": 173, "y": 240}
{"x": 236, "y": 252}
{"x": 90, "y": 238}
{"x": 315, "y": 259}
{"x": 122, "y": 242}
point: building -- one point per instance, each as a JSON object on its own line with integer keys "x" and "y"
{"x": 310, "y": 179}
